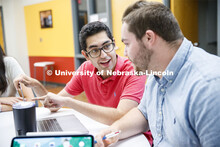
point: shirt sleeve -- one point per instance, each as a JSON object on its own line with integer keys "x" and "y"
{"x": 134, "y": 88}
{"x": 143, "y": 104}
{"x": 204, "y": 113}
{"x": 13, "y": 69}
{"x": 74, "y": 86}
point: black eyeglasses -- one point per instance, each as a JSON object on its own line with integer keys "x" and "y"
{"x": 96, "y": 52}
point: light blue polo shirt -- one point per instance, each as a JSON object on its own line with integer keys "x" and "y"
{"x": 183, "y": 109}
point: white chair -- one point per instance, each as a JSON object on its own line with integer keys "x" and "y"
{"x": 44, "y": 65}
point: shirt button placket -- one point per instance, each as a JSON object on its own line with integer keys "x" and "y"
{"x": 160, "y": 116}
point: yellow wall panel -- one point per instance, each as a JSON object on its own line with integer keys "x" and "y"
{"x": 118, "y": 7}
{"x": 1, "y": 33}
{"x": 186, "y": 12}
{"x": 57, "y": 41}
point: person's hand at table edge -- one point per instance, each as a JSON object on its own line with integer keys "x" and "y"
{"x": 100, "y": 142}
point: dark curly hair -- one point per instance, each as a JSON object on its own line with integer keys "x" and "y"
{"x": 3, "y": 80}
{"x": 92, "y": 29}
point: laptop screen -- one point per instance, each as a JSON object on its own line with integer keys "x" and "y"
{"x": 53, "y": 141}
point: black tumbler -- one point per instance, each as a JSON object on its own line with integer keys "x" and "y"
{"x": 24, "y": 118}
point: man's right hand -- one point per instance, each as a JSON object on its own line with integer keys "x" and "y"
{"x": 53, "y": 101}
{"x": 106, "y": 142}
{"x": 26, "y": 80}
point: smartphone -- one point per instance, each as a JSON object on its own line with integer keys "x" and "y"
{"x": 53, "y": 141}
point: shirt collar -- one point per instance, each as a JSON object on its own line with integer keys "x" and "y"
{"x": 177, "y": 62}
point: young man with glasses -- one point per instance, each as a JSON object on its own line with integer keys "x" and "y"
{"x": 109, "y": 96}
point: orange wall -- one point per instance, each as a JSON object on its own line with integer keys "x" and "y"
{"x": 61, "y": 63}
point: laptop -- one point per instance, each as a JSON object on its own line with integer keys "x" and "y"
{"x": 53, "y": 141}
{"x": 65, "y": 123}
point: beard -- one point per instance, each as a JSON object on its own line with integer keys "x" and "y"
{"x": 142, "y": 59}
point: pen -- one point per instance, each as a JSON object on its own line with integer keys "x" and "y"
{"x": 113, "y": 134}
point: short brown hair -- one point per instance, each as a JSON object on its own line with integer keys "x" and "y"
{"x": 134, "y": 6}
{"x": 156, "y": 17}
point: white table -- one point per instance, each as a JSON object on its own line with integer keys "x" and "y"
{"x": 7, "y": 130}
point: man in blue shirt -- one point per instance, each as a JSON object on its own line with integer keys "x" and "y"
{"x": 181, "y": 109}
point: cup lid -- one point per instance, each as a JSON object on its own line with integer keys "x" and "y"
{"x": 22, "y": 105}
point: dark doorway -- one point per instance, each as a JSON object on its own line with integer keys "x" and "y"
{"x": 207, "y": 25}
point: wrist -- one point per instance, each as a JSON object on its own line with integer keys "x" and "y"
{"x": 115, "y": 126}
{"x": 0, "y": 107}
{"x": 67, "y": 102}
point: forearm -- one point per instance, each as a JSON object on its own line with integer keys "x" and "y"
{"x": 39, "y": 89}
{"x": 105, "y": 115}
{"x": 131, "y": 124}
{"x": 5, "y": 108}
{"x": 28, "y": 93}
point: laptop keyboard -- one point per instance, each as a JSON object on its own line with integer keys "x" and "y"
{"x": 48, "y": 125}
